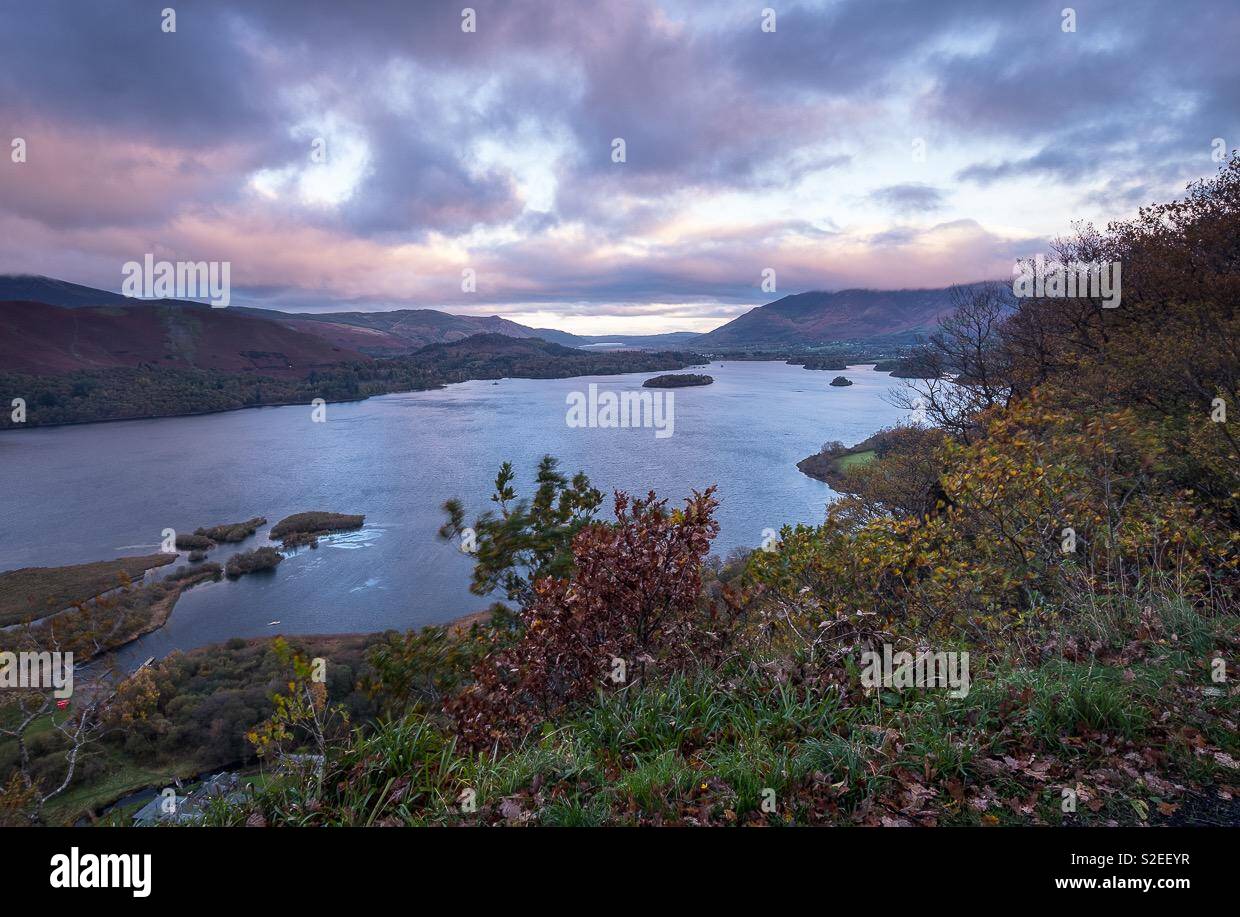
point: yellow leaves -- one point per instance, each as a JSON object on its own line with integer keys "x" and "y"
{"x": 1035, "y": 471}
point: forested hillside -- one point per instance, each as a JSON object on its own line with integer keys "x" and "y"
{"x": 152, "y": 390}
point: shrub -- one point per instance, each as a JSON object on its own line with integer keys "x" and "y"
{"x": 634, "y": 598}
{"x": 203, "y": 571}
{"x": 195, "y": 542}
{"x": 265, "y": 558}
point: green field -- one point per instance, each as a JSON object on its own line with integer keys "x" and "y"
{"x": 855, "y": 459}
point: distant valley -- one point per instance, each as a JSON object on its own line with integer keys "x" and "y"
{"x": 799, "y": 321}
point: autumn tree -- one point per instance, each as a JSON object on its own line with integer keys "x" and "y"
{"x": 964, "y": 365}
{"x": 302, "y": 712}
{"x": 630, "y": 603}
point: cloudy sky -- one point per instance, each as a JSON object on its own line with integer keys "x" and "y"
{"x": 860, "y": 143}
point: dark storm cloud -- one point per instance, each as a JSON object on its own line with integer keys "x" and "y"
{"x": 1142, "y": 81}
{"x": 108, "y": 63}
{"x": 850, "y": 47}
{"x": 912, "y": 197}
{"x": 1062, "y": 163}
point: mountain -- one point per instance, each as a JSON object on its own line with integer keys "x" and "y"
{"x": 813, "y": 318}
{"x": 47, "y": 339}
{"x": 389, "y": 333}
{"x": 819, "y": 317}
{"x": 401, "y": 331}
{"x": 392, "y": 333}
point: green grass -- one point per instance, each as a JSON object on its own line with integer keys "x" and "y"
{"x": 122, "y": 777}
{"x": 844, "y": 762}
{"x": 653, "y": 782}
{"x": 710, "y": 746}
{"x": 575, "y": 813}
{"x": 855, "y": 459}
{"x": 714, "y": 746}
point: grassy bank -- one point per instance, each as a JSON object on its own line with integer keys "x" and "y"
{"x": 34, "y": 592}
{"x": 1133, "y": 739}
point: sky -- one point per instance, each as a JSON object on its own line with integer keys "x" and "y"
{"x": 367, "y": 155}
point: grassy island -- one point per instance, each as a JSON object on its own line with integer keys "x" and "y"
{"x": 677, "y": 380}
{"x": 265, "y": 558}
{"x": 110, "y": 619}
{"x": 820, "y": 363}
{"x": 305, "y": 528}
{"x": 835, "y": 460}
{"x": 232, "y": 531}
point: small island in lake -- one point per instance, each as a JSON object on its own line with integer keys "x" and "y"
{"x": 824, "y": 363}
{"x": 841, "y": 381}
{"x": 677, "y": 380}
{"x": 305, "y": 528}
{"x": 264, "y": 558}
{"x": 206, "y": 538}
{"x": 232, "y": 531}
{"x": 906, "y": 368}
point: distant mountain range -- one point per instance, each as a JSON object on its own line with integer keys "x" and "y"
{"x": 401, "y": 331}
{"x": 389, "y": 333}
{"x": 108, "y": 329}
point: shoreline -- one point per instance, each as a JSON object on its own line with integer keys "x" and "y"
{"x": 455, "y": 625}
{"x": 404, "y": 391}
{"x": 16, "y": 428}
{"x": 290, "y": 404}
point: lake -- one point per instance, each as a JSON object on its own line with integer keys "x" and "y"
{"x": 84, "y": 493}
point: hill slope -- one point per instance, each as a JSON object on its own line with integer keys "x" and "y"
{"x": 35, "y": 288}
{"x": 392, "y": 333}
{"x": 45, "y": 339}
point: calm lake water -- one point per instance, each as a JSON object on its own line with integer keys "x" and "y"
{"x": 76, "y": 494}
